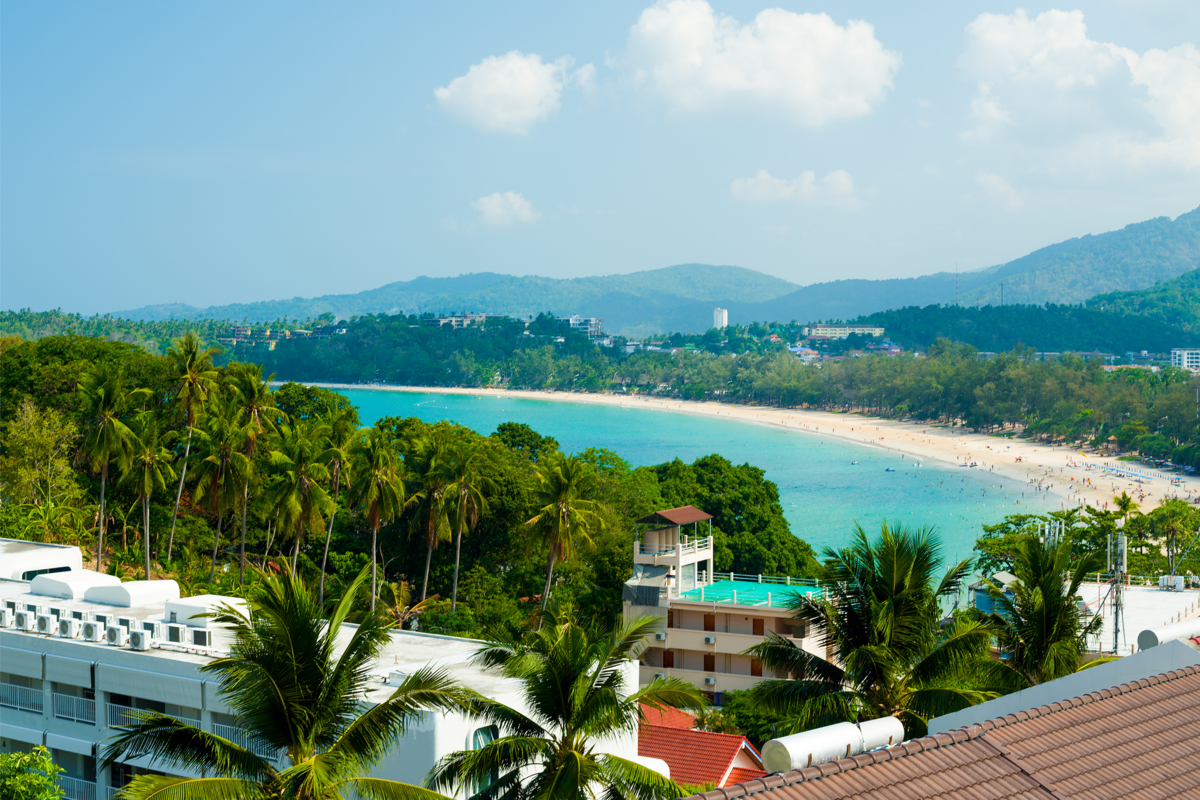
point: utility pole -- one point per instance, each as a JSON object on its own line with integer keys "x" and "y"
{"x": 1001, "y": 292}
{"x": 956, "y": 283}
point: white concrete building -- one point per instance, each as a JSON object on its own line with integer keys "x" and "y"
{"x": 61, "y": 689}
{"x": 720, "y": 318}
{"x": 1188, "y": 359}
{"x": 840, "y": 331}
{"x": 707, "y": 620}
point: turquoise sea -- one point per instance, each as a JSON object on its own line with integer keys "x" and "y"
{"x": 823, "y": 493}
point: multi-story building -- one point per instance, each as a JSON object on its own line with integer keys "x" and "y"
{"x": 1186, "y": 358}
{"x": 62, "y": 687}
{"x": 720, "y": 318}
{"x": 461, "y": 320}
{"x": 591, "y": 327}
{"x": 840, "y": 331}
{"x": 708, "y": 620}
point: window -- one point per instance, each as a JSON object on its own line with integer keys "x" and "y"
{"x": 480, "y": 739}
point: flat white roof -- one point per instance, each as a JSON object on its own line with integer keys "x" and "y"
{"x": 70, "y": 585}
{"x": 134, "y": 593}
{"x": 1145, "y": 607}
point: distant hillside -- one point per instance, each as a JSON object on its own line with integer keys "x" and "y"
{"x": 1175, "y": 302}
{"x": 681, "y": 298}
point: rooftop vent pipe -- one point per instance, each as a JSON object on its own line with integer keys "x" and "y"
{"x": 830, "y": 743}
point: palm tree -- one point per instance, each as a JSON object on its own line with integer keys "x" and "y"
{"x": 1039, "y": 625}
{"x": 340, "y": 433}
{"x": 1126, "y": 506}
{"x": 298, "y": 495}
{"x": 222, "y": 467}
{"x": 464, "y": 495}
{"x": 259, "y": 414}
{"x": 429, "y": 482}
{"x": 148, "y": 469}
{"x": 881, "y": 620}
{"x": 574, "y": 684}
{"x": 195, "y": 377}
{"x": 564, "y": 515}
{"x": 106, "y": 400}
{"x": 379, "y": 487}
{"x": 400, "y": 608}
{"x": 294, "y": 688}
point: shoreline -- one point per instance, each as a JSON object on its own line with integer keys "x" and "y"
{"x": 1065, "y": 473}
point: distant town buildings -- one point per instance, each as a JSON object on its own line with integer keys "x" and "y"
{"x": 720, "y": 318}
{"x": 591, "y": 327}
{"x": 461, "y": 320}
{"x": 1188, "y": 359}
{"x": 840, "y": 331}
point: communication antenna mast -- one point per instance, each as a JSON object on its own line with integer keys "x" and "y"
{"x": 956, "y": 283}
{"x": 1001, "y": 292}
{"x": 1118, "y": 564}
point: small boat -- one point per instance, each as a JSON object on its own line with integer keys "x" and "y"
{"x": 852, "y": 463}
{"x": 889, "y": 469}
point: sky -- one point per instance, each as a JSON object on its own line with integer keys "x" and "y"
{"x": 231, "y": 152}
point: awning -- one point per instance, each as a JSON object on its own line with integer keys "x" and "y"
{"x": 149, "y": 685}
{"x": 23, "y": 735}
{"x": 72, "y": 671}
{"x": 644, "y": 588}
{"x": 82, "y": 747}
{"x": 26, "y": 663}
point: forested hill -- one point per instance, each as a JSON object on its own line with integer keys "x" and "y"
{"x": 1174, "y": 302}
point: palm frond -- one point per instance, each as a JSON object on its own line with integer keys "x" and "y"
{"x": 630, "y": 780}
{"x": 164, "y": 787}
{"x": 171, "y": 742}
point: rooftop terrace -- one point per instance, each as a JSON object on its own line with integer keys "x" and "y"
{"x": 754, "y": 591}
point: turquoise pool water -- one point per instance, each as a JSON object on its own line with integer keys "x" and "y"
{"x": 822, "y": 492}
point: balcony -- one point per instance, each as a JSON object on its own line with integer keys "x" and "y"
{"x": 723, "y": 681}
{"x": 701, "y": 547}
{"x": 251, "y": 743}
{"x": 21, "y": 698}
{"x": 75, "y": 709}
{"x": 75, "y": 789}
{"x": 123, "y": 716}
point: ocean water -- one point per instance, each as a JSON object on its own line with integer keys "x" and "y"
{"x": 823, "y": 492}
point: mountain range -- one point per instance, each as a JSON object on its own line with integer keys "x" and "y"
{"x": 681, "y": 298}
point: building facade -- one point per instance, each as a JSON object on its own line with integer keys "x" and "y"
{"x": 840, "y": 331}
{"x": 720, "y": 318}
{"x": 1188, "y": 359}
{"x": 591, "y": 327}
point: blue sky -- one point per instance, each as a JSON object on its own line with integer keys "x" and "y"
{"x": 221, "y": 152}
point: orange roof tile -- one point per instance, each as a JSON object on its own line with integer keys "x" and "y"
{"x": 669, "y": 718}
{"x": 695, "y": 757}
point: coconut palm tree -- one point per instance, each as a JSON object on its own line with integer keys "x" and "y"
{"x": 1039, "y": 626}
{"x": 378, "y": 487}
{"x": 467, "y": 481}
{"x": 1126, "y": 506}
{"x": 297, "y": 495}
{"x": 341, "y": 431}
{"x": 565, "y": 517}
{"x": 148, "y": 469}
{"x": 881, "y": 622}
{"x": 256, "y": 402}
{"x": 573, "y": 681}
{"x": 108, "y": 440}
{"x": 400, "y": 609}
{"x": 429, "y": 482}
{"x": 222, "y": 467}
{"x": 295, "y": 689}
{"x": 195, "y": 377}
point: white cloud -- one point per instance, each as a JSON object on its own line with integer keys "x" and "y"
{"x": 999, "y": 189}
{"x": 510, "y": 93}
{"x": 835, "y": 189}
{"x": 803, "y": 65}
{"x": 502, "y": 209}
{"x": 1043, "y": 80}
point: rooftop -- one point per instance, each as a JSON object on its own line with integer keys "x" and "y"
{"x": 752, "y": 593}
{"x": 683, "y": 515}
{"x": 1139, "y": 739}
{"x": 698, "y": 757}
{"x": 1145, "y": 607}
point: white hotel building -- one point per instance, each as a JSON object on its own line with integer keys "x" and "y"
{"x": 67, "y": 678}
{"x": 1188, "y": 359}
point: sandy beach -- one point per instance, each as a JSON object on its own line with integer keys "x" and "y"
{"x": 1066, "y": 474}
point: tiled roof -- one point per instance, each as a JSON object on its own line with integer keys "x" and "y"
{"x": 676, "y": 516}
{"x": 742, "y": 774}
{"x": 669, "y": 718}
{"x": 695, "y": 757}
{"x": 1140, "y": 739}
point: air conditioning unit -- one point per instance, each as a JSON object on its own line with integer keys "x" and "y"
{"x": 154, "y": 629}
{"x": 7, "y": 616}
{"x": 660, "y": 636}
{"x": 176, "y": 634}
{"x": 92, "y": 631}
{"x": 710, "y": 640}
{"x": 104, "y": 620}
{"x": 11, "y": 605}
{"x": 47, "y": 624}
{"x": 1172, "y": 583}
{"x": 140, "y": 640}
{"x": 128, "y": 623}
{"x": 658, "y": 675}
{"x": 57, "y": 611}
{"x": 82, "y": 616}
{"x": 202, "y": 637}
{"x": 710, "y": 681}
{"x": 68, "y": 628}
{"x": 117, "y": 636}
{"x": 24, "y": 620}
{"x": 35, "y": 608}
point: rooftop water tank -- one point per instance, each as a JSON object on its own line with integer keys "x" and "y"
{"x": 830, "y": 743}
{"x": 1153, "y": 637}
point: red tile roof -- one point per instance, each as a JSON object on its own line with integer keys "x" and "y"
{"x": 695, "y": 757}
{"x": 669, "y": 718}
{"x": 741, "y": 775}
{"x": 1140, "y": 739}
{"x": 677, "y": 516}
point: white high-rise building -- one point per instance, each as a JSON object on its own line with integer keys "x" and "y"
{"x": 1186, "y": 358}
{"x": 720, "y": 318}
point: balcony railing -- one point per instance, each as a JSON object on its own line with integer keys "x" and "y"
{"x": 687, "y": 548}
{"x": 75, "y": 789}
{"x": 76, "y": 709}
{"x": 251, "y": 743}
{"x": 123, "y": 716}
{"x": 22, "y": 698}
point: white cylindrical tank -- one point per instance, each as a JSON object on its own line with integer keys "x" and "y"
{"x": 802, "y": 750}
{"x": 1153, "y": 637}
{"x": 882, "y": 732}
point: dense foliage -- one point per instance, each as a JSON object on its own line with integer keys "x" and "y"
{"x": 30, "y": 776}
{"x": 1174, "y": 302}
{"x": 153, "y": 336}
